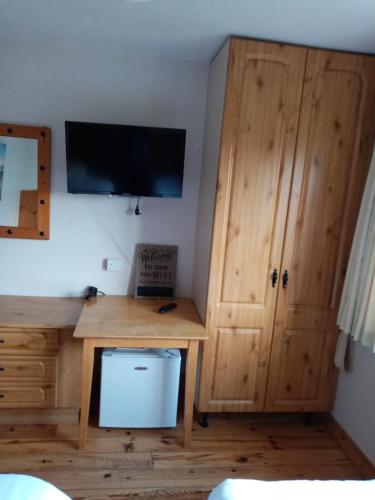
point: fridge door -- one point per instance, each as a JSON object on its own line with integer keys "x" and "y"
{"x": 139, "y": 388}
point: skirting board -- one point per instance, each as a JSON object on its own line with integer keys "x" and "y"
{"x": 348, "y": 446}
{"x": 39, "y": 416}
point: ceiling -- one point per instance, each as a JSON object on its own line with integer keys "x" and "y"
{"x": 188, "y": 29}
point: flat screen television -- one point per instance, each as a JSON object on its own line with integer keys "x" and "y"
{"x": 124, "y": 160}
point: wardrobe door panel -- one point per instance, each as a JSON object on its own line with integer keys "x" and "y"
{"x": 235, "y": 369}
{"x": 300, "y": 380}
{"x": 332, "y": 154}
{"x": 260, "y": 121}
{"x": 255, "y": 183}
{"x": 259, "y": 132}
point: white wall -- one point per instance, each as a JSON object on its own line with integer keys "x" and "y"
{"x": 355, "y": 401}
{"x": 210, "y": 165}
{"x": 46, "y": 86}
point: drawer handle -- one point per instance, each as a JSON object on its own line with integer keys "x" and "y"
{"x": 2, "y": 368}
{"x": 2, "y": 395}
{"x": 2, "y": 341}
{"x": 140, "y": 368}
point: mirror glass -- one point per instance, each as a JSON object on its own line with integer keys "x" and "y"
{"x": 18, "y": 181}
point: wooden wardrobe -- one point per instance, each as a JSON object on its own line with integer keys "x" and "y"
{"x": 288, "y": 140}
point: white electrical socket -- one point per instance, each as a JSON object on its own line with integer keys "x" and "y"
{"x": 113, "y": 264}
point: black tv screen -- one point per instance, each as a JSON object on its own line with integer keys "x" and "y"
{"x": 124, "y": 160}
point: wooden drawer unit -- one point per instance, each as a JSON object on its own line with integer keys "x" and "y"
{"x": 40, "y": 361}
{"x": 28, "y": 367}
{"x": 27, "y": 395}
{"x": 18, "y": 368}
{"x": 28, "y": 341}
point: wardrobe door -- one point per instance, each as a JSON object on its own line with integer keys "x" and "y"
{"x": 260, "y": 121}
{"x": 334, "y": 145}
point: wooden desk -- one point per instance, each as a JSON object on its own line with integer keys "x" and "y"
{"x": 117, "y": 321}
{"x": 39, "y": 312}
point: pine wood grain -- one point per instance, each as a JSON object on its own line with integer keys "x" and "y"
{"x": 190, "y": 377}
{"x": 118, "y": 321}
{"x": 26, "y": 341}
{"x": 16, "y": 394}
{"x": 27, "y": 368}
{"x": 293, "y": 159}
{"x": 149, "y": 463}
{"x": 69, "y": 371}
{"x": 259, "y": 130}
{"x": 242, "y": 458}
{"x": 245, "y": 435}
{"x": 194, "y": 478}
{"x": 28, "y": 210}
{"x": 86, "y": 383}
{"x": 122, "y": 316}
{"x": 38, "y": 416}
{"x": 78, "y": 461}
{"x": 37, "y": 345}
{"x": 355, "y": 455}
{"x": 331, "y": 163}
{"x": 39, "y": 312}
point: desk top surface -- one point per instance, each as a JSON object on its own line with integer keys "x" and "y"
{"x": 39, "y": 312}
{"x": 121, "y": 316}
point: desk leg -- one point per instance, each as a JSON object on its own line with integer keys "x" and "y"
{"x": 191, "y": 371}
{"x": 86, "y": 381}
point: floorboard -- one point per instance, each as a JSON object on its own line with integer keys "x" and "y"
{"x": 150, "y": 464}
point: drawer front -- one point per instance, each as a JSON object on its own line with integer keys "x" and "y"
{"x": 16, "y": 395}
{"x": 17, "y": 368}
{"x": 28, "y": 341}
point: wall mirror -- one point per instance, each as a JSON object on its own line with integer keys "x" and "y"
{"x": 24, "y": 181}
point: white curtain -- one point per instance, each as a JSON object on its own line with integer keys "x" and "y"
{"x": 357, "y": 308}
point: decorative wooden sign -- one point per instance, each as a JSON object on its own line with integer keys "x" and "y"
{"x": 155, "y": 271}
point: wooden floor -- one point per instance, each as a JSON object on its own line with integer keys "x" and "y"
{"x": 150, "y": 464}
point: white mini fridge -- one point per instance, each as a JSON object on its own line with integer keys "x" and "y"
{"x": 139, "y": 387}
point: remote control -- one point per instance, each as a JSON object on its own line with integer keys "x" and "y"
{"x": 167, "y": 307}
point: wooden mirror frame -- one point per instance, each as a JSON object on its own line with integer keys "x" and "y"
{"x": 43, "y": 136}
